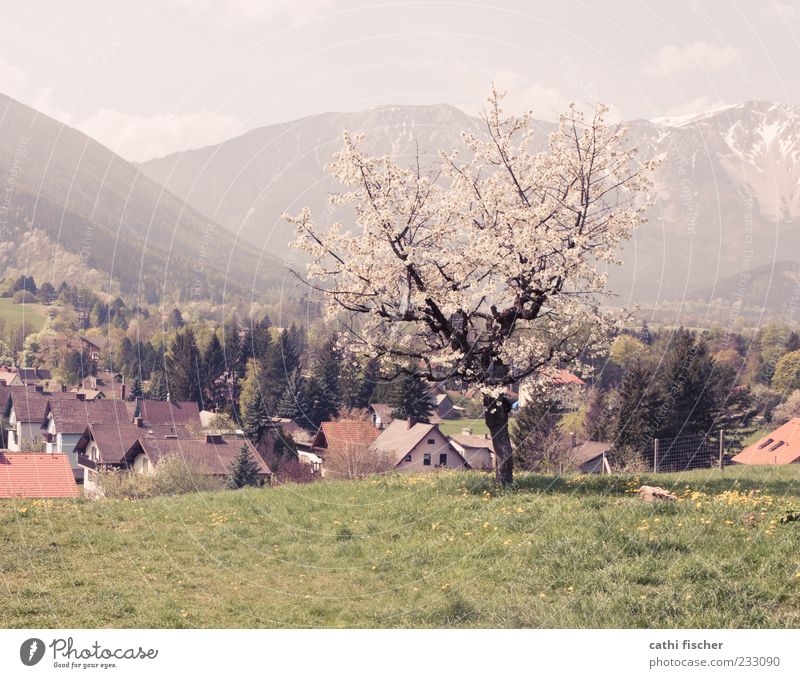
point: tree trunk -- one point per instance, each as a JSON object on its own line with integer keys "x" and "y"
{"x": 495, "y": 413}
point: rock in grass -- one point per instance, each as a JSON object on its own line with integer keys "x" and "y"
{"x": 650, "y": 493}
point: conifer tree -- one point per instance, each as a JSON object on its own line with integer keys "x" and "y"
{"x": 410, "y": 397}
{"x": 255, "y": 415}
{"x": 324, "y": 389}
{"x": 244, "y": 471}
{"x": 294, "y": 403}
{"x": 183, "y": 367}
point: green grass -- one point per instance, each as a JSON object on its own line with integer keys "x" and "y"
{"x": 453, "y": 427}
{"x": 413, "y": 551}
{"x": 13, "y": 314}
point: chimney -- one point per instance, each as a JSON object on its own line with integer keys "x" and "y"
{"x": 412, "y": 421}
{"x": 214, "y": 438}
{"x": 168, "y": 400}
{"x": 38, "y": 388}
{"x": 63, "y": 388}
{"x": 122, "y": 391}
{"x": 574, "y": 439}
{"x": 80, "y": 396}
{"x": 137, "y": 421}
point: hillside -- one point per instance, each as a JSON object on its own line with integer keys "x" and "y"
{"x": 442, "y": 550}
{"x": 83, "y": 200}
{"x": 728, "y": 190}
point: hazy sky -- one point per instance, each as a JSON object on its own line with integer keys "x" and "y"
{"x": 151, "y": 77}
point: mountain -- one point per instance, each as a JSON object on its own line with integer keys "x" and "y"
{"x": 71, "y": 208}
{"x": 727, "y": 191}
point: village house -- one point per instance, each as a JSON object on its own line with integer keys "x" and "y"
{"x": 93, "y": 345}
{"x": 10, "y": 377}
{"x": 35, "y": 475}
{"x": 338, "y": 436}
{"x": 418, "y": 447}
{"x": 567, "y": 384}
{"x": 65, "y": 420}
{"x": 590, "y": 456}
{"x": 477, "y": 450}
{"x": 24, "y": 412}
{"x": 443, "y": 406}
{"x": 168, "y": 413}
{"x": 108, "y": 447}
{"x": 381, "y": 414}
{"x": 781, "y": 446}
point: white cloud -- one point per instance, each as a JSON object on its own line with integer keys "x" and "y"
{"x": 12, "y": 78}
{"x": 524, "y": 95}
{"x": 139, "y": 138}
{"x": 672, "y": 59}
{"x": 546, "y": 103}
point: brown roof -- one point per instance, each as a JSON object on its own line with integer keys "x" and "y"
{"x": 113, "y": 441}
{"x": 96, "y": 341}
{"x": 473, "y": 440}
{"x": 215, "y": 458}
{"x": 782, "y": 446}
{"x": 398, "y": 439}
{"x": 29, "y": 405}
{"x": 583, "y": 453}
{"x": 383, "y": 411}
{"x": 157, "y": 412}
{"x": 340, "y": 435}
{"x": 36, "y": 476}
{"x": 73, "y": 415}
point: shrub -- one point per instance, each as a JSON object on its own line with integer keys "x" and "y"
{"x": 173, "y": 476}
{"x": 24, "y": 297}
{"x": 294, "y": 471}
{"x": 357, "y": 460}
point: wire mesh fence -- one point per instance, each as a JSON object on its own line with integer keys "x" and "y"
{"x": 685, "y": 453}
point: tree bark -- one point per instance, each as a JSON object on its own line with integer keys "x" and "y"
{"x": 496, "y": 417}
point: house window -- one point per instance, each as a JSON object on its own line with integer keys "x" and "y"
{"x": 426, "y": 459}
{"x": 407, "y": 458}
{"x": 443, "y": 460}
{"x": 431, "y": 441}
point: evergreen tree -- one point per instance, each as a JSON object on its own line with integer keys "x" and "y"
{"x": 294, "y": 403}
{"x": 410, "y": 397}
{"x": 255, "y": 416}
{"x": 176, "y": 319}
{"x": 637, "y": 410}
{"x": 183, "y": 367}
{"x": 352, "y": 384}
{"x": 324, "y": 389}
{"x": 158, "y": 386}
{"x": 244, "y": 471}
{"x": 47, "y": 293}
{"x": 136, "y": 390}
{"x": 128, "y": 361}
{"x": 532, "y": 433}
{"x": 262, "y": 339}
{"x": 214, "y": 386}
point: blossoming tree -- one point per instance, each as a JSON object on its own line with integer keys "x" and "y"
{"x": 484, "y": 269}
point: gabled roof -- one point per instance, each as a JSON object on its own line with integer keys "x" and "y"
{"x": 583, "y": 453}
{"x": 113, "y": 441}
{"x": 33, "y": 374}
{"x": 213, "y": 458}
{"x": 782, "y": 446}
{"x": 383, "y": 411}
{"x": 565, "y": 377}
{"x": 96, "y": 341}
{"x": 158, "y": 412}
{"x": 399, "y": 439}
{"x": 36, "y": 475}
{"x": 340, "y": 435}
{"x": 29, "y": 405}
{"x": 73, "y": 415}
{"x": 474, "y": 441}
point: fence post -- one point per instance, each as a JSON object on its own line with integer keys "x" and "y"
{"x": 722, "y": 449}
{"x": 655, "y": 455}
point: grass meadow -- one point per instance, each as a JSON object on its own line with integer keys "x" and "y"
{"x": 442, "y": 550}
{"x": 13, "y": 314}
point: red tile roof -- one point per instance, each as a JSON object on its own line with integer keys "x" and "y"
{"x": 565, "y": 377}
{"x": 341, "y": 435}
{"x": 36, "y": 476}
{"x": 782, "y": 446}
